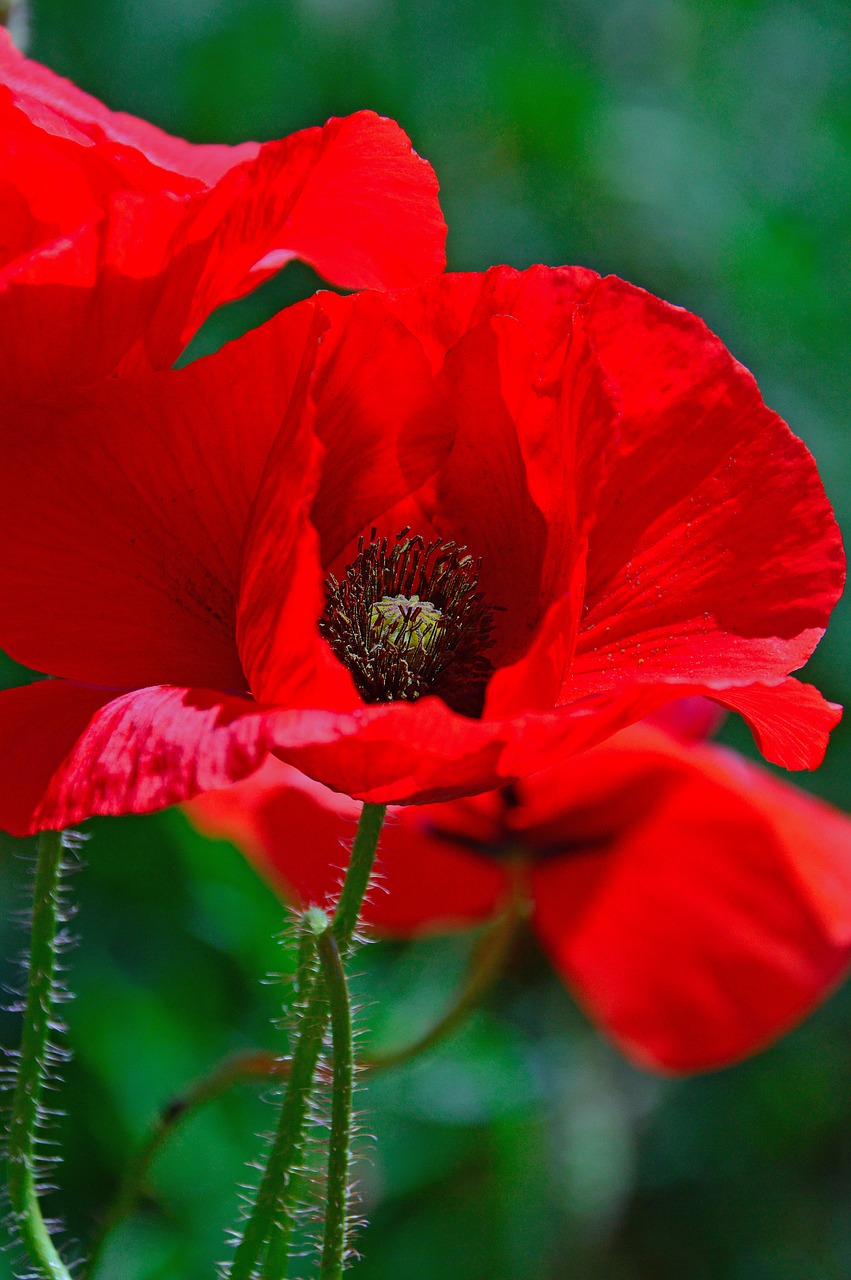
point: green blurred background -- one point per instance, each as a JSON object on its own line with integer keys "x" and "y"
{"x": 705, "y": 153}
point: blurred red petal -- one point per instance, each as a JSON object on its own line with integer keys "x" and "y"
{"x": 122, "y": 240}
{"x": 299, "y": 834}
{"x": 715, "y": 922}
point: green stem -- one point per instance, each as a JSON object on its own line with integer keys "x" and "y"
{"x": 32, "y": 1068}
{"x": 488, "y": 963}
{"x": 339, "y": 1150}
{"x": 253, "y": 1065}
{"x": 271, "y": 1219}
{"x": 359, "y": 871}
{"x": 305, "y": 961}
{"x": 261, "y": 1065}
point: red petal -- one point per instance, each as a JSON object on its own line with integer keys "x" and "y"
{"x": 126, "y": 571}
{"x": 715, "y": 923}
{"x": 715, "y": 555}
{"x": 45, "y": 192}
{"x": 298, "y": 834}
{"x": 791, "y": 722}
{"x": 690, "y": 719}
{"x": 419, "y": 752}
{"x": 542, "y": 300}
{"x": 535, "y": 681}
{"x": 325, "y": 195}
{"x": 281, "y": 600}
{"x": 70, "y": 309}
{"x": 517, "y": 493}
{"x": 422, "y": 752}
{"x": 382, "y": 421}
{"x": 367, "y": 214}
{"x": 483, "y": 498}
{"x": 69, "y": 751}
{"x": 358, "y": 203}
{"x": 59, "y": 107}
{"x": 383, "y": 429}
{"x": 139, "y": 236}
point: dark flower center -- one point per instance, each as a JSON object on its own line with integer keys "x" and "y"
{"x": 408, "y": 620}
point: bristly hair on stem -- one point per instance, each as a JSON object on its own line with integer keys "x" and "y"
{"x": 335, "y": 1241}
{"x": 35, "y": 1066}
{"x": 264, "y": 1244}
{"x": 487, "y": 963}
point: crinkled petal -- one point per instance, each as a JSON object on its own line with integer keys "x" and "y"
{"x": 517, "y": 496}
{"x": 143, "y": 235}
{"x": 72, "y": 308}
{"x": 352, "y": 198}
{"x": 69, "y": 751}
{"x": 381, "y": 418}
{"x": 715, "y": 554}
{"x": 422, "y": 752}
{"x": 713, "y": 924}
{"x": 542, "y": 300}
{"x": 383, "y": 429}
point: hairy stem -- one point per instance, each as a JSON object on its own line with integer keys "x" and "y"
{"x": 339, "y": 1148}
{"x": 271, "y": 1220}
{"x": 35, "y": 1051}
{"x": 262, "y": 1066}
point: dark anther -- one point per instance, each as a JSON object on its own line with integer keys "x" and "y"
{"x": 407, "y": 620}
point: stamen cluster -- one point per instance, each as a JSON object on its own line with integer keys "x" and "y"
{"x": 408, "y": 620}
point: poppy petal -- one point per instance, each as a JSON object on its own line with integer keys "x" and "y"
{"x": 423, "y": 752}
{"x": 351, "y": 198}
{"x": 354, "y": 200}
{"x": 127, "y": 571}
{"x": 790, "y": 722}
{"x": 697, "y": 571}
{"x": 383, "y": 423}
{"x": 715, "y": 923}
{"x": 69, "y": 751}
{"x": 71, "y": 309}
{"x": 519, "y": 496}
{"x": 164, "y": 231}
{"x": 58, "y": 106}
{"x": 542, "y": 299}
{"x": 382, "y": 430}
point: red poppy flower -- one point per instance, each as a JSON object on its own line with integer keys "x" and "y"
{"x": 600, "y": 516}
{"x": 697, "y": 907}
{"x": 118, "y": 240}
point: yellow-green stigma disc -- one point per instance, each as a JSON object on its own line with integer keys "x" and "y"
{"x": 407, "y": 622}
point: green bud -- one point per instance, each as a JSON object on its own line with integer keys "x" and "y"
{"x": 316, "y": 920}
